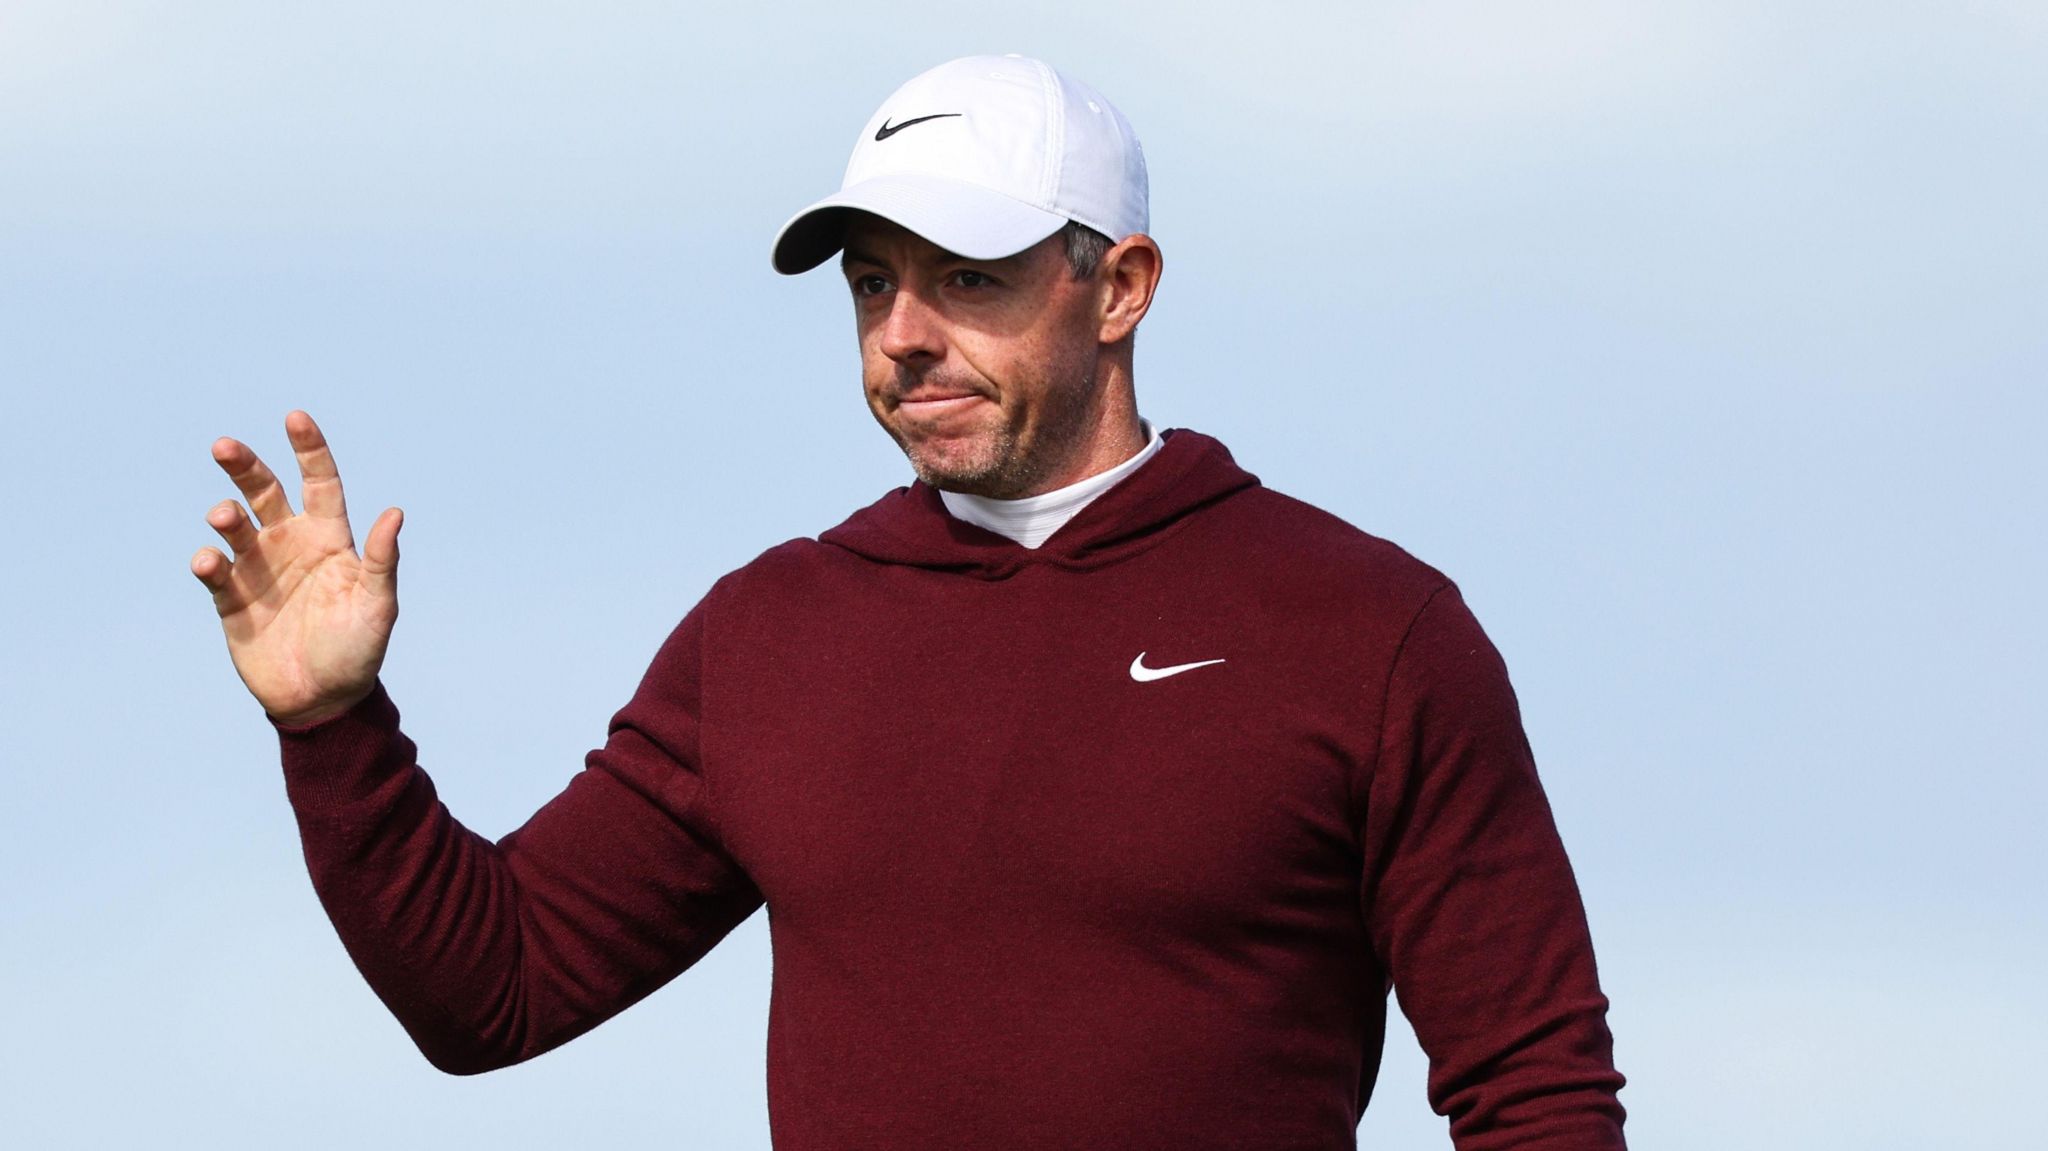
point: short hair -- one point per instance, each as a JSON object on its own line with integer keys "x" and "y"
{"x": 1085, "y": 248}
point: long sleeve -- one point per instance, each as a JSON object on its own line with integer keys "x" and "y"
{"x": 1471, "y": 904}
{"x": 490, "y": 954}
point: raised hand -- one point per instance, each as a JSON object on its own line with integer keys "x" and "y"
{"x": 307, "y": 619}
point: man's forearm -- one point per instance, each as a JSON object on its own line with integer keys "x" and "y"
{"x": 487, "y": 953}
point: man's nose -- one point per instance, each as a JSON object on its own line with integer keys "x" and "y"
{"x": 911, "y": 330}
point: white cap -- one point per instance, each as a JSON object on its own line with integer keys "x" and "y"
{"x": 983, "y": 156}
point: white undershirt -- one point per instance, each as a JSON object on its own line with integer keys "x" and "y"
{"x": 1031, "y": 519}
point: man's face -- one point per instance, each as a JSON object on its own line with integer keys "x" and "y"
{"x": 983, "y": 371}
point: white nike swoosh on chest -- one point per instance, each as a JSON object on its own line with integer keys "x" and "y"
{"x": 1144, "y": 674}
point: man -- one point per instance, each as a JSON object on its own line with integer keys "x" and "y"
{"x": 1097, "y": 794}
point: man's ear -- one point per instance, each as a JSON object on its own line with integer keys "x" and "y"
{"x": 1129, "y": 274}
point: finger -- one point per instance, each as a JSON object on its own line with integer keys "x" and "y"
{"x": 380, "y": 553}
{"x": 211, "y": 567}
{"x": 234, "y": 527}
{"x": 213, "y": 570}
{"x": 321, "y": 493}
{"x": 254, "y": 479}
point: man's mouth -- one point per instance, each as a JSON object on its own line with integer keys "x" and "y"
{"x": 936, "y": 402}
{"x": 932, "y": 407}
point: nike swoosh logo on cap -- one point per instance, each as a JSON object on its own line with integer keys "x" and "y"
{"x": 1144, "y": 674}
{"x": 886, "y": 131}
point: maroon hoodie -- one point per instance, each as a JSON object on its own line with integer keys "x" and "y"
{"x": 1117, "y": 843}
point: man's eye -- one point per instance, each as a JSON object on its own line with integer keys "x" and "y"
{"x": 973, "y": 279}
{"x": 869, "y": 285}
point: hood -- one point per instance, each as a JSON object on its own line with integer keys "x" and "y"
{"x": 911, "y": 526}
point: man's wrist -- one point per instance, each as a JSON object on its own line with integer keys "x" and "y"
{"x": 303, "y": 721}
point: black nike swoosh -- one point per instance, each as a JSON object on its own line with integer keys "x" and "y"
{"x": 885, "y": 131}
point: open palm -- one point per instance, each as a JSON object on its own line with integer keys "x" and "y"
{"x": 307, "y": 619}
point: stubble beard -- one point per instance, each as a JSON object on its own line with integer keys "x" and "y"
{"x": 992, "y": 470}
{"x": 1002, "y": 466}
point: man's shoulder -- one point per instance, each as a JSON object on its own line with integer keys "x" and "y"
{"x": 1318, "y": 546}
{"x": 790, "y": 562}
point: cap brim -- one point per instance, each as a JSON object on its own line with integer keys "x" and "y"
{"x": 966, "y": 219}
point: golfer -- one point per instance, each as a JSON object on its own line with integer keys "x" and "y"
{"x": 1097, "y": 794}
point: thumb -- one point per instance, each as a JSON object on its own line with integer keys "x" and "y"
{"x": 380, "y": 553}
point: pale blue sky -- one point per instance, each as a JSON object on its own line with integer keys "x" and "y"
{"x": 1702, "y": 343}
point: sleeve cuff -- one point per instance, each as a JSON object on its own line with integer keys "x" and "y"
{"x": 334, "y": 762}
